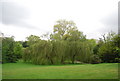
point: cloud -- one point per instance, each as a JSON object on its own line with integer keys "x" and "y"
{"x": 119, "y": 17}
{"x": 110, "y": 22}
{"x": 14, "y": 14}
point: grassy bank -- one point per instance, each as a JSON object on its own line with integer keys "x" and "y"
{"x": 78, "y": 71}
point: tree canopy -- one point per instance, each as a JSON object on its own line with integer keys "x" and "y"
{"x": 66, "y": 44}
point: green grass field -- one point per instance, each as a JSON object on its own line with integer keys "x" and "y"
{"x": 74, "y": 71}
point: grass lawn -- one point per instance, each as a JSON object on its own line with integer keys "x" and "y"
{"x": 77, "y": 71}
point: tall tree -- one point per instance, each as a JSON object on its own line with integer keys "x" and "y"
{"x": 66, "y": 30}
{"x": 18, "y": 49}
{"x": 109, "y": 52}
{"x": 8, "y": 50}
{"x": 32, "y": 39}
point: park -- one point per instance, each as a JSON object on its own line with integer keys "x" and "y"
{"x": 66, "y": 53}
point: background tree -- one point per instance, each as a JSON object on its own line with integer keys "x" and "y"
{"x": 98, "y": 45}
{"x": 8, "y": 50}
{"x": 18, "y": 50}
{"x": 25, "y": 44}
{"x": 66, "y": 30}
{"x": 29, "y": 47}
{"x": 109, "y": 51}
{"x": 32, "y": 39}
{"x": 67, "y": 45}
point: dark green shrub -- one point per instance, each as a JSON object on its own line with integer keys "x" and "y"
{"x": 95, "y": 59}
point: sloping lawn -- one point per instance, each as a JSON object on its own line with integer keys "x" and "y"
{"x": 74, "y": 71}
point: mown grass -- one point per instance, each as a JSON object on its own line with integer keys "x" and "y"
{"x": 78, "y": 71}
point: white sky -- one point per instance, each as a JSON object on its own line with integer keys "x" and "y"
{"x": 92, "y": 17}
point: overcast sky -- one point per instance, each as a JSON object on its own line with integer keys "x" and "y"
{"x": 22, "y": 18}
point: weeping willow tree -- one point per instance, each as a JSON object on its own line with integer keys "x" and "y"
{"x": 42, "y": 52}
{"x": 58, "y": 52}
{"x": 66, "y": 44}
{"x": 85, "y": 52}
{"x": 27, "y": 55}
{"x": 72, "y": 51}
{"x": 60, "y": 48}
{"x": 46, "y": 52}
{"x": 28, "y": 51}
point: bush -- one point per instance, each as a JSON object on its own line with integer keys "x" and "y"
{"x": 117, "y": 60}
{"x": 95, "y": 59}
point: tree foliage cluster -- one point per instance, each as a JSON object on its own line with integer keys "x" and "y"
{"x": 66, "y": 44}
{"x": 108, "y": 48}
{"x": 58, "y": 52}
{"x": 11, "y": 50}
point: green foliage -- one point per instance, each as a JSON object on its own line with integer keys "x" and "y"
{"x": 11, "y": 50}
{"x": 18, "y": 50}
{"x": 85, "y": 52}
{"x": 42, "y": 52}
{"x": 7, "y": 50}
{"x": 66, "y": 44}
{"x": 32, "y": 39}
{"x": 58, "y": 52}
{"x": 25, "y": 44}
{"x": 26, "y": 55}
{"x": 95, "y": 59}
{"x": 110, "y": 51}
{"x": 66, "y": 30}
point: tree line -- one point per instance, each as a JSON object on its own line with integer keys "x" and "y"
{"x": 66, "y": 44}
